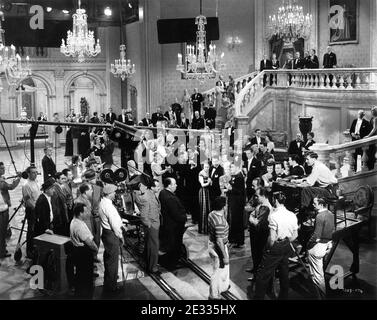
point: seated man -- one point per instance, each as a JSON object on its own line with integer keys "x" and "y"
{"x": 319, "y": 183}
{"x": 279, "y": 170}
{"x": 296, "y": 168}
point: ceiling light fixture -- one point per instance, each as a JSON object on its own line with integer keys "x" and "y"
{"x": 108, "y": 12}
{"x": 80, "y": 41}
{"x": 48, "y": 9}
{"x": 65, "y": 11}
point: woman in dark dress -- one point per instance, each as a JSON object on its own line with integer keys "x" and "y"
{"x": 84, "y": 139}
{"x": 68, "y": 136}
{"x": 236, "y": 203}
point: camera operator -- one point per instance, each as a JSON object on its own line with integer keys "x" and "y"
{"x": 112, "y": 238}
{"x": 5, "y": 204}
{"x": 283, "y": 230}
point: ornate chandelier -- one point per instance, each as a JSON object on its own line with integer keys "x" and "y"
{"x": 10, "y": 62}
{"x": 122, "y": 68}
{"x": 290, "y": 23}
{"x": 80, "y": 41}
{"x": 200, "y": 63}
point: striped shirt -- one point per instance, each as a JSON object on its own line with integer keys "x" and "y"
{"x": 218, "y": 227}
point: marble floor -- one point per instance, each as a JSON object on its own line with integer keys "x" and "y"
{"x": 14, "y": 281}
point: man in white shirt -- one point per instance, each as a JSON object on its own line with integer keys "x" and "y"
{"x": 83, "y": 253}
{"x": 320, "y": 183}
{"x": 30, "y": 193}
{"x": 112, "y": 238}
{"x": 283, "y": 230}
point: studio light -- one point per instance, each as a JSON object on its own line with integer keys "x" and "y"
{"x": 48, "y": 9}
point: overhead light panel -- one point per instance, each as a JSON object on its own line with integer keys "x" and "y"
{"x": 108, "y": 12}
{"x": 48, "y": 9}
{"x": 65, "y": 11}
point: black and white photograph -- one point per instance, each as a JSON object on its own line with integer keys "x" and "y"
{"x": 204, "y": 151}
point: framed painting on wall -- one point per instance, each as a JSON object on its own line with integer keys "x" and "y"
{"x": 343, "y": 21}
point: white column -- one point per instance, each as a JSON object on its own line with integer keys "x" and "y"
{"x": 373, "y": 33}
{"x": 260, "y": 21}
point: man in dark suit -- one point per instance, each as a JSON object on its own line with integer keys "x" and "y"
{"x": 329, "y": 59}
{"x": 48, "y": 165}
{"x": 258, "y": 139}
{"x": 360, "y": 128}
{"x": 173, "y": 226}
{"x": 111, "y": 116}
{"x": 198, "y": 122}
{"x": 210, "y": 117}
{"x": 157, "y": 116}
{"x": 147, "y": 121}
{"x": 59, "y": 206}
{"x": 123, "y": 116}
{"x": 265, "y": 64}
{"x": 312, "y": 60}
{"x": 197, "y": 100}
{"x": 107, "y": 152}
{"x": 215, "y": 172}
{"x": 252, "y": 168}
{"x": 45, "y": 218}
{"x": 298, "y": 63}
{"x": 296, "y": 146}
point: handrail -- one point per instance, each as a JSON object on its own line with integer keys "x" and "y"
{"x": 239, "y": 79}
{"x": 311, "y": 79}
{"x": 348, "y": 145}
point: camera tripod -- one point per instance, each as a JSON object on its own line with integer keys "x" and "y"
{"x": 9, "y": 231}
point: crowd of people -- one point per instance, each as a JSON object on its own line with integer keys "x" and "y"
{"x": 174, "y": 175}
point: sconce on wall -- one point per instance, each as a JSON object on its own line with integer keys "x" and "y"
{"x": 234, "y": 42}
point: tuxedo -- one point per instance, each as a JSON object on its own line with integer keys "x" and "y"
{"x": 255, "y": 141}
{"x": 296, "y": 148}
{"x": 146, "y": 122}
{"x": 311, "y": 62}
{"x": 60, "y": 210}
{"x": 198, "y": 123}
{"x": 210, "y": 117}
{"x": 214, "y": 189}
{"x": 157, "y": 116}
{"x": 364, "y": 130}
{"x": 111, "y": 117}
{"x": 265, "y": 65}
{"x": 49, "y": 167}
{"x": 177, "y": 109}
{"x": 329, "y": 60}
{"x": 94, "y": 119}
{"x": 275, "y": 64}
{"x": 298, "y": 63}
{"x": 123, "y": 118}
{"x": 197, "y": 99}
{"x": 254, "y": 170}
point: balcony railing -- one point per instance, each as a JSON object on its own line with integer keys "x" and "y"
{"x": 309, "y": 79}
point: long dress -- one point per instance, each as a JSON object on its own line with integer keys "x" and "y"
{"x": 68, "y": 144}
{"x": 204, "y": 205}
{"x": 187, "y": 107}
{"x": 236, "y": 203}
{"x": 84, "y": 142}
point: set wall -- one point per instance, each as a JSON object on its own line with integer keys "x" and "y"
{"x": 236, "y": 18}
{"x": 359, "y": 54}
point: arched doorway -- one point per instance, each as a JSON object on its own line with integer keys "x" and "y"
{"x": 83, "y": 87}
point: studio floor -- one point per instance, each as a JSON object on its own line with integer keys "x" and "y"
{"x": 15, "y": 282}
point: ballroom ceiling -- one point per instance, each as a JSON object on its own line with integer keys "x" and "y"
{"x": 58, "y": 18}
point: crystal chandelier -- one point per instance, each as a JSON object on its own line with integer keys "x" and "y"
{"x": 290, "y": 23}
{"x": 80, "y": 41}
{"x": 122, "y": 68}
{"x": 10, "y": 62}
{"x": 200, "y": 63}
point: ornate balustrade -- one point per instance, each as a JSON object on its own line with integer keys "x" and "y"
{"x": 338, "y": 153}
{"x": 356, "y": 79}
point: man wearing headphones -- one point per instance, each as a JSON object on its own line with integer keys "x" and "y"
{"x": 283, "y": 230}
